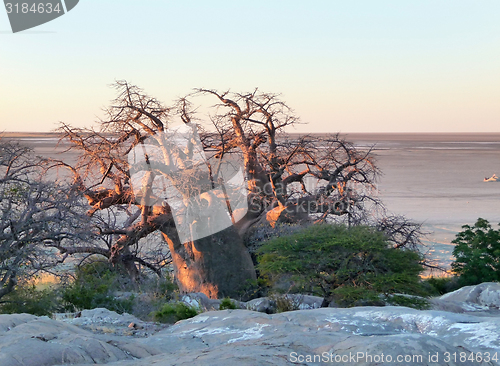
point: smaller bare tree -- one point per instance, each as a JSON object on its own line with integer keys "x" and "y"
{"x": 35, "y": 214}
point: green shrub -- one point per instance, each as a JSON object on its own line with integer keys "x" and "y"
{"x": 93, "y": 287}
{"x": 173, "y": 312}
{"x": 361, "y": 295}
{"x": 154, "y": 292}
{"x": 477, "y": 254}
{"x": 27, "y": 299}
{"x": 259, "y": 234}
{"x": 409, "y": 301}
{"x": 226, "y": 303}
{"x": 442, "y": 285}
{"x": 350, "y": 266}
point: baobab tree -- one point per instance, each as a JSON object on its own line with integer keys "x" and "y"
{"x": 285, "y": 179}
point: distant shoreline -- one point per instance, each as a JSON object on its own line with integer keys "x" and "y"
{"x": 29, "y": 134}
{"x": 434, "y": 137}
{"x": 351, "y": 136}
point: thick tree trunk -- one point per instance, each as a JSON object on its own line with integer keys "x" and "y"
{"x": 218, "y": 265}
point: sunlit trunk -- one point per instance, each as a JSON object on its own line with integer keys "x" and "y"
{"x": 218, "y": 265}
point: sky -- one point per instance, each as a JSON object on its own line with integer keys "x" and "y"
{"x": 343, "y": 66}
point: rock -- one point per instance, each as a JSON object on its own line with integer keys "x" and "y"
{"x": 134, "y": 326}
{"x": 271, "y": 305}
{"x": 201, "y": 301}
{"x": 305, "y": 302}
{"x": 103, "y": 316}
{"x": 262, "y": 305}
{"x": 28, "y": 340}
{"x": 354, "y": 336}
{"x": 480, "y": 298}
{"x": 245, "y": 337}
{"x": 314, "y": 337}
{"x": 102, "y": 320}
{"x": 485, "y": 295}
{"x": 443, "y": 305}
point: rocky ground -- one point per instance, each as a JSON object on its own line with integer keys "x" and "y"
{"x": 463, "y": 328}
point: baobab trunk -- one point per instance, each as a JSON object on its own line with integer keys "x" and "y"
{"x": 218, "y": 265}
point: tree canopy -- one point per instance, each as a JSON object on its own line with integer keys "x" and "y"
{"x": 342, "y": 264}
{"x": 477, "y": 253}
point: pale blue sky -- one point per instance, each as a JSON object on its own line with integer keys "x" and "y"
{"x": 349, "y": 66}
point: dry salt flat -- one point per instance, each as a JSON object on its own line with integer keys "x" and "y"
{"x": 437, "y": 179}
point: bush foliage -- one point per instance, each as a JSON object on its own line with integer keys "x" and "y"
{"x": 227, "y": 303}
{"x": 441, "y": 285}
{"x": 348, "y": 265}
{"x": 93, "y": 287}
{"x": 477, "y": 254}
{"x": 28, "y": 299}
{"x": 173, "y": 312}
{"x": 95, "y": 284}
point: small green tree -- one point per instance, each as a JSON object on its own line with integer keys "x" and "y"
{"x": 173, "y": 312}
{"x": 26, "y": 298}
{"x": 93, "y": 287}
{"x": 349, "y": 265}
{"x": 227, "y": 303}
{"x": 477, "y": 254}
